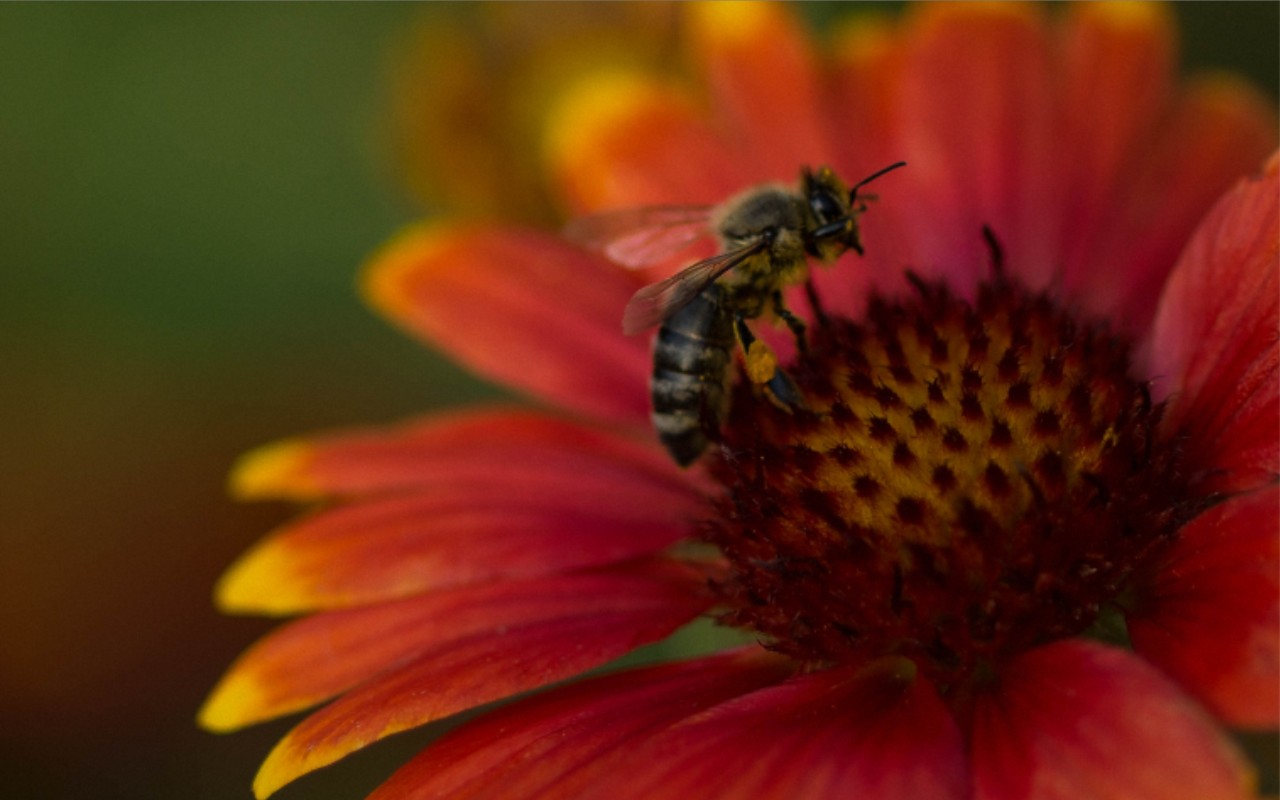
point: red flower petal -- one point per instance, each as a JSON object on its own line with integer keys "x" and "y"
{"x": 863, "y": 80}
{"x": 320, "y": 656}
{"x": 1219, "y": 130}
{"x": 1077, "y": 721}
{"x": 1211, "y": 617}
{"x": 622, "y": 141}
{"x": 528, "y": 453}
{"x": 979, "y": 136}
{"x": 522, "y": 308}
{"x": 760, "y": 69}
{"x": 864, "y": 84}
{"x": 1119, "y": 69}
{"x": 1119, "y": 72}
{"x": 476, "y": 496}
{"x": 545, "y": 746}
{"x": 827, "y": 735}
{"x": 381, "y": 550}
{"x": 1213, "y": 347}
{"x": 552, "y": 638}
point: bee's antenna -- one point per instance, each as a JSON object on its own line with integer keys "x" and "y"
{"x": 853, "y": 193}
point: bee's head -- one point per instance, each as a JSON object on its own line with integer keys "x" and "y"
{"x": 835, "y": 210}
{"x": 833, "y": 222}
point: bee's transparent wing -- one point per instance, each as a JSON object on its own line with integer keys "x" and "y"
{"x": 657, "y": 301}
{"x": 639, "y": 237}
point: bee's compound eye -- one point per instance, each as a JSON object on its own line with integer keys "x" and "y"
{"x": 826, "y": 206}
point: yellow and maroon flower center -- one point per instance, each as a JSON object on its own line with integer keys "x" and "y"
{"x": 968, "y": 479}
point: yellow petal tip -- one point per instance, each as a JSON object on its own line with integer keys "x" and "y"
{"x": 290, "y": 759}
{"x": 229, "y": 705}
{"x": 1132, "y": 14}
{"x": 589, "y": 118}
{"x": 734, "y": 21}
{"x": 863, "y": 39}
{"x": 1232, "y": 95}
{"x": 276, "y": 470}
{"x": 271, "y": 777}
{"x": 384, "y": 278}
{"x": 262, "y": 581}
{"x": 592, "y": 106}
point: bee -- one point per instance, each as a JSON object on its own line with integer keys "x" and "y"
{"x": 766, "y": 236}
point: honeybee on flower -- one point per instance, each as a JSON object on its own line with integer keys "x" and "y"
{"x": 984, "y": 474}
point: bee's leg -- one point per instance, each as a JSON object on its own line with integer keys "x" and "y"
{"x": 763, "y": 370}
{"x": 819, "y": 313}
{"x": 783, "y": 392}
{"x": 796, "y": 324}
{"x": 760, "y": 361}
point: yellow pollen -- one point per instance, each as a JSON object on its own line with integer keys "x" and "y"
{"x": 761, "y": 363}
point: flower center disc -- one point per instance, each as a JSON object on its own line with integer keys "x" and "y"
{"x": 969, "y": 479}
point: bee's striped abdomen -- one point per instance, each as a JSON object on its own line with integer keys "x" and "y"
{"x": 690, "y": 368}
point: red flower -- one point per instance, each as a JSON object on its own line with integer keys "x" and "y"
{"x": 996, "y": 468}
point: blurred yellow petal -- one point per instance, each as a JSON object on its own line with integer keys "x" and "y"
{"x": 763, "y": 77}
{"x": 617, "y": 140}
{"x": 472, "y": 88}
{"x": 274, "y": 471}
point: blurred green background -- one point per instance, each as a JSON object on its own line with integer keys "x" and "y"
{"x": 186, "y": 192}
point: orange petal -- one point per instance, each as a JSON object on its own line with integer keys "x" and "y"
{"x": 1219, "y": 130}
{"x": 864, "y": 82}
{"x": 524, "y": 450}
{"x": 521, "y": 308}
{"x": 1213, "y": 347}
{"x": 1076, "y": 719}
{"x": 760, "y": 67}
{"x": 1211, "y": 617}
{"x": 538, "y": 747}
{"x": 1118, "y": 82}
{"x": 978, "y": 132}
{"x": 863, "y": 79}
{"x": 825, "y": 736}
{"x": 319, "y": 657}
{"x": 475, "y": 84}
{"x": 618, "y": 140}
{"x": 458, "y": 534}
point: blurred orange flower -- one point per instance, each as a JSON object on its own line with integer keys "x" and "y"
{"x": 1010, "y": 464}
{"x": 472, "y": 87}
